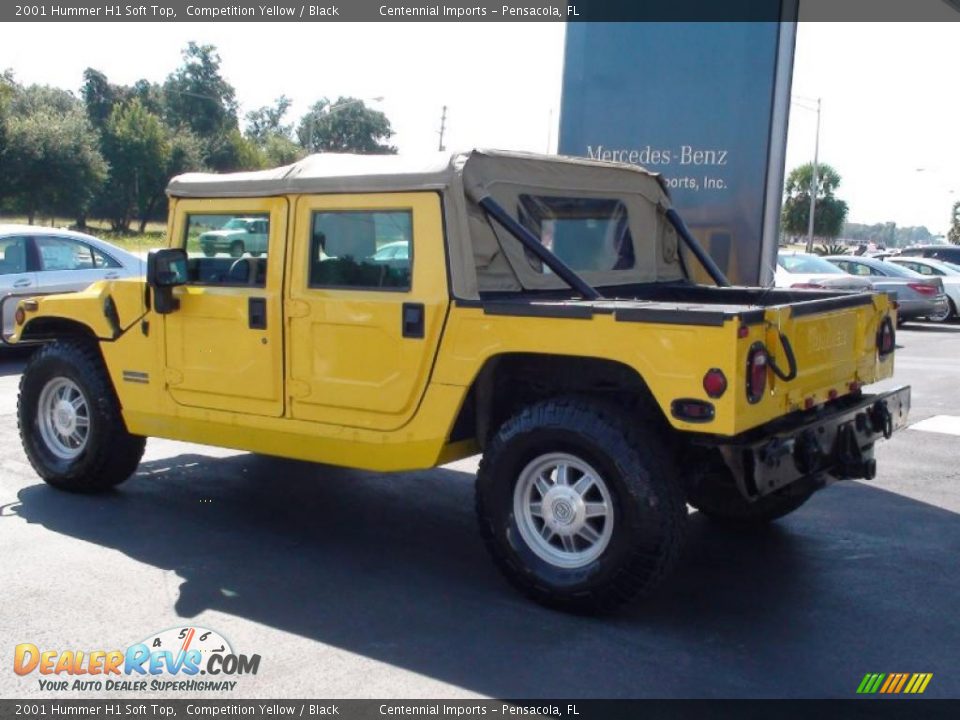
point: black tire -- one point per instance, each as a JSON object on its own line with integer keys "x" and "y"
{"x": 209, "y": 250}
{"x": 236, "y": 248}
{"x": 949, "y": 317}
{"x": 109, "y": 454}
{"x": 716, "y": 497}
{"x": 649, "y": 510}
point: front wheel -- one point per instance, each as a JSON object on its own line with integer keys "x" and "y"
{"x": 236, "y": 249}
{"x": 69, "y": 420}
{"x": 580, "y": 510}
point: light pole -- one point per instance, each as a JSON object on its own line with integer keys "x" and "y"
{"x": 814, "y": 179}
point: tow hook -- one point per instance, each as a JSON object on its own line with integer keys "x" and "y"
{"x": 881, "y": 419}
{"x": 808, "y": 455}
{"x": 853, "y": 461}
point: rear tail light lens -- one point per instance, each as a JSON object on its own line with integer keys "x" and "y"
{"x": 714, "y": 383}
{"x": 924, "y": 289}
{"x": 756, "y": 373}
{"x": 886, "y": 337}
{"x": 808, "y": 286}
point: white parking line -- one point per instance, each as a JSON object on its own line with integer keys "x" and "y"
{"x": 946, "y": 424}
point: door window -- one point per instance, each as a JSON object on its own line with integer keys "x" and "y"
{"x": 61, "y": 253}
{"x": 13, "y": 255}
{"x": 227, "y": 249}
{"x": 363, "y": 250}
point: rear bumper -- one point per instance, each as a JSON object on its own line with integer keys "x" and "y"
{"x": 909, "y": 309}
{"x": 835, "y": 440}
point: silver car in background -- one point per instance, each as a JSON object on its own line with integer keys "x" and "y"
{"x": 948, "y": 273}
{"x": 40, "y": 261}
{"x": 917, "y": 296}
{"x": 811, "y": 272}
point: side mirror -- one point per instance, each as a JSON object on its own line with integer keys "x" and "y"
{"x": 166, "y": 269}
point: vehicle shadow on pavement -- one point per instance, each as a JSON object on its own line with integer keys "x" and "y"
{"x": 392, "y": 567}
{"x": 931, "y": 328}
{"x": 13, "y": 359}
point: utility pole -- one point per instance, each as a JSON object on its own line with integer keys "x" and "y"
{"x": 443, "y": 126}
{"x": 814, "y": 183}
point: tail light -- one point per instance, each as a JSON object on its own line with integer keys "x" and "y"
{"x": 923, "y": 289}
{"x": 756, "y": 373}
{"x": 714, "y": 383}
{"x": 886, "y": 337}
{"x": 808, "y": 286}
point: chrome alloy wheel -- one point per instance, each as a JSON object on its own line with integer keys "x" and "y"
{"x": 564, "y": 510}
{"x": 64, "y": 418}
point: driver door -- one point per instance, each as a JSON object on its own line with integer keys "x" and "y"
{"x": 224, "y": 345}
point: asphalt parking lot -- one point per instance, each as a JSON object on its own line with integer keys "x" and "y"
{"x": 352, "y": 584}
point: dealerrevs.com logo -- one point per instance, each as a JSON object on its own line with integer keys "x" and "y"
{"x": 180, "y": 659}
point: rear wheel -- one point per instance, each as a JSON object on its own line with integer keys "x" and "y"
{"x": 236, "y": 248}
{"x": 70, "y": 422}
{"x": 949, "y": 314}
{"x": 580, "y": 511}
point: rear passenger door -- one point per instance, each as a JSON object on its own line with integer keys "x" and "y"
{"x": 68, "y": 264}
{"x": 363, "y": 329}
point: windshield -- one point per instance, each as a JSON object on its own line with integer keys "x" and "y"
{"x": 236, "y": 224}
{"x": 808, "y": 264}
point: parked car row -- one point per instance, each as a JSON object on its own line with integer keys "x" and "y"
{"x": 40, "y": 261}
{"x": 924, "y": 287}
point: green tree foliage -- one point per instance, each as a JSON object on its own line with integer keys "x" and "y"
{"x": 953, "y": 234}
{"x": 266, "y": 129}
{"x": 831, "y": 212}
{"x": 267, "y": 121}
{"x": 7, "y": 90}
{"x": 198, "y": 97}
{"x": 136, "y": 144}
{"x": 346, "y": 126}
{"x": 52, "y": 161}
{"x": 831, "y": 249}
{"x": 887, "y": 234}
{"x": 279, "y": 150}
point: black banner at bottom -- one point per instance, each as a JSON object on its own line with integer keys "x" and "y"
{"x": 874, "y": 709}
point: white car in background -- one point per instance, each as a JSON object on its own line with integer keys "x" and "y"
{"x": 948, "y": 273}
{"x": 812, "y": 272}
{"x": 41, "y": 261}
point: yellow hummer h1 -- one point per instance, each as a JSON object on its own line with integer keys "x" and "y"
{"x": 403, "y": 314}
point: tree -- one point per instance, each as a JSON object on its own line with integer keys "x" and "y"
{"x": 198, "y": 97}
{"x": 136, "y": 144}
{"x": 953, "y": 235}
{"x": 267, "y": 121}
{"x": 831, "y": 212}
{"x": 52, "y": 161}
{"x": 346, "y": 126}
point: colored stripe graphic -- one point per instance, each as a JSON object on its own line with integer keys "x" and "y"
{"x": 894, "y": 683}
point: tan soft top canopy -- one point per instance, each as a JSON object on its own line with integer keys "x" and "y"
{"x": 483, "y": 256}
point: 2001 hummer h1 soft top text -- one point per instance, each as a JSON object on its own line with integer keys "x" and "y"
{"x": 404, "y": 313}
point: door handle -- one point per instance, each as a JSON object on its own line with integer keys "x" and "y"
{"x": 257, "y": 313}
{"x": 23, "y": 282}
{"x": 413, "y": 320}
{"x": 112, "y": 275}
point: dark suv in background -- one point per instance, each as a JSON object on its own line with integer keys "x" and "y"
{"x": 947, "y": 253}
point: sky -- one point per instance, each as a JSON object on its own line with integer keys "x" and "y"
{"x": 890, "y": 105}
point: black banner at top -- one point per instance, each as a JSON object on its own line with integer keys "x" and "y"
{"x": 481, "y": 11}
